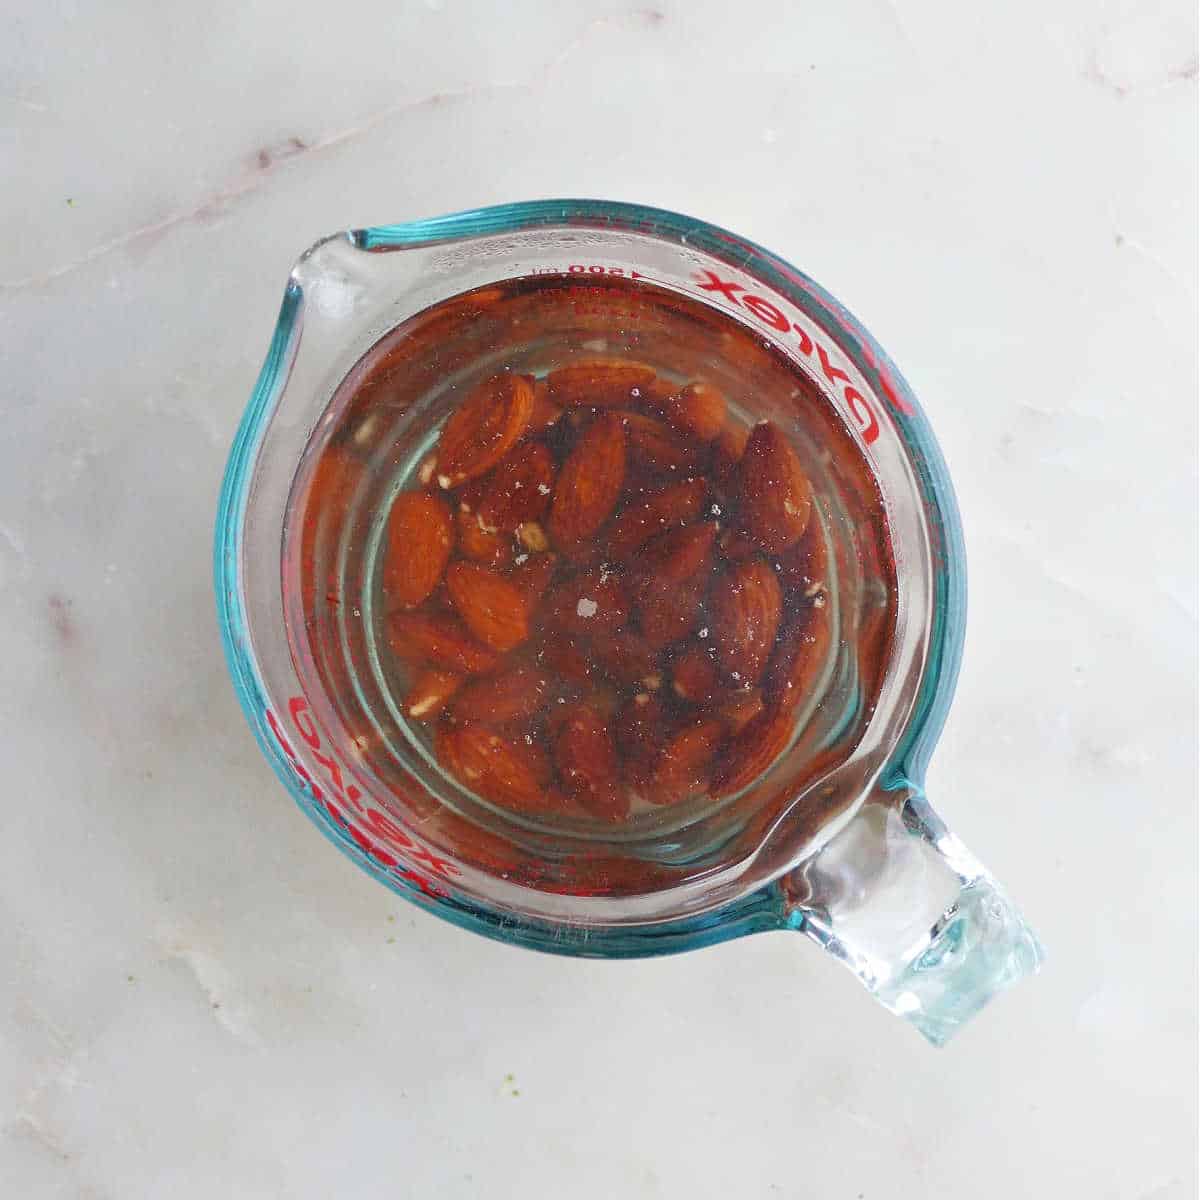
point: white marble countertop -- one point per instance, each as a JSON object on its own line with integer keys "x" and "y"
{"x": 201, "y": 998}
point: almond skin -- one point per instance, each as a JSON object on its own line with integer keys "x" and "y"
{"x": 746, "y": 606}
{"x": 804, "y": 569}
{"x": 698, "y": 411}
{"x": 429, "y": 692}
{"x": 587, "y": 762}
{"x": 588, "y": 604}
{"x": 568, "y": 657}
{"x": 775, "y": 496}
{"x": 799, "y": 657}
{"x": 752, "y": 751}
{"x": 511, "y": 694}
{"x": 509, "y": 771}
{"x": 727, "y": 449}
{"x": 682, "y": 766}
{"x": 598, "y": 383}
{"x": 694, "y": 676}
{"x": 641, "y": 728}
{"x": 668, "y": 613}
{"x": 678, "y": 554}
{"x": 479, "y": 544}
{"x": 493, "y": 608}
{"x": 737, "y": 547}
{"x": 420, "y": 539}
{"x": 439, "y": 639}
{"x": 533, "y": 575}
{"x": 627, "y": 658}
{"x": 656, "y": 447}
{"x": 638, "y": 523}
{"x": 518, "y": 489}
{"x": 484, "y": 428}
{"x": 673, "y": 568}
{"x": 545, "y": 412}
{"x": 589, "y": 483}
{"x": 740, "y": 709}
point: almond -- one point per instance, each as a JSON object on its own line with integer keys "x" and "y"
{"x": 638, "y": 523}
{"x": 655, "y": 446}
{"x": 590, "y": 483}
{"x": 484, "y": 428}
{"x": 727, "y": 449}
{"x": 698, "y": 411}
{"x": 641, "y": 727}
{"x": 509, "y": 771}
{"x": 740, "y": 709}
{"x": 420, "y": 537}
{"x": 657, "y": 392}
{"x": 545, "y": 412}
{"x": 678, "y": 554}
{"x": 518, "y": 489}
{"x": 746, "y": 605}
{"x": 567, "y": 657}
{"x": 804, "y": 569}
{"x": 775, "y": 496}
{"x": 627, "y": 658}
{"x": 479, "y": 544}
{"x": 752, "y": 751}
{"x": 441, "y": 640}
{"x": 588, "y": 603}
{"x": 494, "y": 609}
{"x": 587, "y": 762}
{"x": 682, "y": 766}
{"x": 673, "y": 568}
{"x": 694, "y": 676}
{"x": 799, "y": 658}
{"x": 598, "y": 383}
{"x": 737, "y": 547}
{"x": 668, "y": 613}
{"x": 429, "y": 692}
{"x": 532, "y": 574}
{"x": 511, "y": 694}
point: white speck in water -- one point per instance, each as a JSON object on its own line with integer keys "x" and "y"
{"x": 716, "y": 510}
{"x": 736, "y": 675}
{"x": 635, "y": 392}
{"x": 704, "y": 632}
{"x": 521, "y": 558}
{"x": 545, "y": 491}
{"x": 586, "y": 608}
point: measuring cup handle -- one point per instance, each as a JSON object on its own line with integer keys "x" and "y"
{"x": 899, "y": 899}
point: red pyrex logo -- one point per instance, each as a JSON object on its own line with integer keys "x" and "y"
{"x": 865, "y": 420}
{"x": 353, "y": 796}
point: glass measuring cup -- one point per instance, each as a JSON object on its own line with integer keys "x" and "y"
{"x": 852, "y": 855}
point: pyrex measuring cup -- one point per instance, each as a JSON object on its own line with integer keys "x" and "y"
{"x": 856, "y": 858}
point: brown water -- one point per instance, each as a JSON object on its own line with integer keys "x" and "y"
{"x": 617, "y": 736}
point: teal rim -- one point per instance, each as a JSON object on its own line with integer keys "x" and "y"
{"x": 763, "y": 909}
